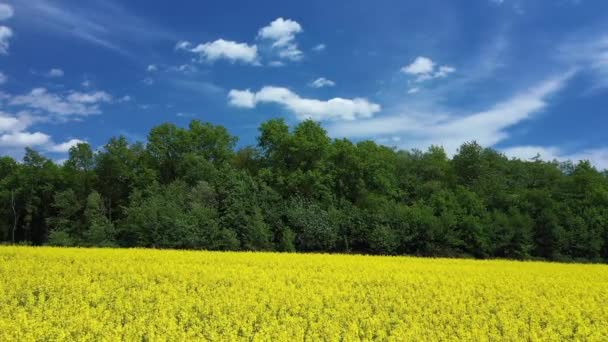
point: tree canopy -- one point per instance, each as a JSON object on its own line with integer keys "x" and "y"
{"x": 300, "y": 190}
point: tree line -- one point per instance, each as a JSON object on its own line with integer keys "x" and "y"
{"x": 299, "y": 190}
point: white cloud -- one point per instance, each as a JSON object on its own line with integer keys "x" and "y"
{"x": 88, "y": 98}
{"x": 420, "y": 66}
{"x": 9, "y": 123}
{"x": 322, "y": 82}
{"x": 427, "y": 128}
{"x": 183, "y": 45}
{"x": 291, "y": 52}
{"x": 424, "y": 69}
{"x": 86, "y": 83}
{"x": 225, "y": 49}
{"x": 55, "y": 73}
{"x": 23, "y": 139}
{"x": 126, "y": 98}
{"x": 5, "y": 34}
{"x": 282, "y": 33}
{"x": 597, "y": 156}
{"x": 64, "y": 147}
{"x": 185, "y": 68}
{"x": 3, "y": 78}
{"x": 13, "y": 134}
{"x": 444, "y": 71}
{"x": 590, "y": 54}
{"x": 333, "y": 109}
{"x": 529, "y": 152}
{"x": 241, "y": 98}
{"x": 413, "y": 90}
{"x": 6, "y": 11}
{"x": 152, "y": 68}
{"x": 17, "y": 123}
{"x": 276, "y": 64}
{"x": 75, "y": 103}
{"x": 319, "y": 47}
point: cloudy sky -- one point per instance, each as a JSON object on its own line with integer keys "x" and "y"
{"x": 524, "y": 77}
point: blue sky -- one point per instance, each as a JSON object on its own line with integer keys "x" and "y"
{"x": 524, "y": 77}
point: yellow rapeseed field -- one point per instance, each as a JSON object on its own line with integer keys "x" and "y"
{"x": 54, "y": 294}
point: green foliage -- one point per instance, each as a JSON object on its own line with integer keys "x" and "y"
{"x": 299, "y": 190}
{"x": 314, "y": 228}
{"x": 61, "y": 238}
{"x": 99, "y": 231}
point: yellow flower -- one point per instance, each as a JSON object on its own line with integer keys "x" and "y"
{"x": 61, "y": 294}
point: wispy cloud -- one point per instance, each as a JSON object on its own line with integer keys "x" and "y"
{"x": 107, "y": 24}
{"x": 72, "y": 103}
{"x": 322, "y": 82}
{"x": 597, "y": 156}
{"x": 488, "y": 127}
{"x": 590, "y": 53}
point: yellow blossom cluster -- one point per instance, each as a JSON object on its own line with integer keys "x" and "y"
{"x": 57, "y": 294}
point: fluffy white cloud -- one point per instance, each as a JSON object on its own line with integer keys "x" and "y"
{"x": 14, "y": 134}
{"x": 5, "y": 34}
{"x": 282, "y": 32}
{"x": 9, "y": 123}
{"x": 413, "y": 90}
{"x": 597, "y": 156}
{"x": 55, "y": 73}
{"x": 16, "y": 123}
{"x": 322, "y": 82}
{"x": 225, "y": 49}
{"x": 3, "y": 78}
{"x": 332, "y": 109}
{"x": 152, "y": 68}
{"x": 6, "y": 11}
{"x": 421, "y": 65}
{"x": 424, "y": 69}
{"x": 450, "y": 131}
{"x": 241, "y": 98}
{"x": 75, "y": 103}
{"x": 64, "y": 147}
{"x": 23, "y": 139}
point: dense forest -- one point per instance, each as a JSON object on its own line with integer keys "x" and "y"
{"x": 299, "y": 190}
